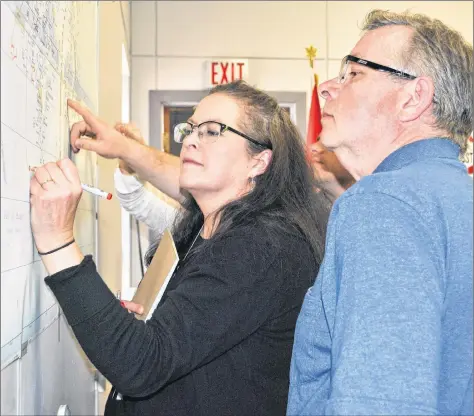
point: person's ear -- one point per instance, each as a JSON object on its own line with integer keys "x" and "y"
{"x": 261, "y": 161}
{"x": 416, "y": 97}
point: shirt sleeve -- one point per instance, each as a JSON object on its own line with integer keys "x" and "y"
{"x": 143, "y": 204}
{"x": 216, "y": 306}
{"x": 386, "y": 331}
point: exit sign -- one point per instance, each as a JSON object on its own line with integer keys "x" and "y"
{"x": 223, "y": 72}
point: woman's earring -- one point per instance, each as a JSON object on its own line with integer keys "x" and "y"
{"x": 252, "y": 183}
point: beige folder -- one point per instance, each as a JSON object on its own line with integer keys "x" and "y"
{"x": 153, "y": 285}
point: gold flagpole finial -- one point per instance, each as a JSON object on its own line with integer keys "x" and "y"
{"x": 311, "y": 54}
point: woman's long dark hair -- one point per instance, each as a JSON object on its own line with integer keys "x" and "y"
{"x": 284, "y": 197}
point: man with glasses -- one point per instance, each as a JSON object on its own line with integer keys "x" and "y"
{"x": 387, "y": 326}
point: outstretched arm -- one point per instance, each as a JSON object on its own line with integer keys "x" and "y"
{"x": 159, "y": 168}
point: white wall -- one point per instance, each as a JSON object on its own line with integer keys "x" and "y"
{"x": 172, "y": 40}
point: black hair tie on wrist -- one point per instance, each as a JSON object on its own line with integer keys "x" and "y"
{"x": 57, "y": 249}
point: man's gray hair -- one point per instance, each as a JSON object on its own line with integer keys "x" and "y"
{"x": 441, "y": 53}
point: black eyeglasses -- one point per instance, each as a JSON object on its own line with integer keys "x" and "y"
{"x": 209, "y": 132}
{"x": 368, "y": 64}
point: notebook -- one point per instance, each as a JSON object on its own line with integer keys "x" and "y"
{"x": 153, "y": 285}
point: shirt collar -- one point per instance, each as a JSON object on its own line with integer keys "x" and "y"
{"x": 422, "y": 149}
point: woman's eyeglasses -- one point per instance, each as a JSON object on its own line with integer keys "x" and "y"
{"x": 209, "y": 132}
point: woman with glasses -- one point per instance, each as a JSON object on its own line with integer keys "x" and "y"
{"x": 250, "y": 239}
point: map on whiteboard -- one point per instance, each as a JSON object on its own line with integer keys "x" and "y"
{"x": 43, "y": 62}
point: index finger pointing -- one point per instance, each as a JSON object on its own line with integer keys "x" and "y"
{"x": 88, "y": 117}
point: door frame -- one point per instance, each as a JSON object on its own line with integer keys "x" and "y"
{"x": 160, "y": 98}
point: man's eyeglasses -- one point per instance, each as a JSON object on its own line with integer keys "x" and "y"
{"x": 372, "y": 65}
{"x": 209, "y": 132}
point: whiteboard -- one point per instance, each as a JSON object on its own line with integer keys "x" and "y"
{"x": 49, "y": 53}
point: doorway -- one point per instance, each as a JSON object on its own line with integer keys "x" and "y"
{"x": 173, "y": 115}
{"x": 168, "y": 108}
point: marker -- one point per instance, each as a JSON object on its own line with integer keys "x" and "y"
{"x": 96, "y": 191}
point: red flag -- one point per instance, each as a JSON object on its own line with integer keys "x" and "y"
{"x": 314, "y": 124}
{"x": 470, "y": 168}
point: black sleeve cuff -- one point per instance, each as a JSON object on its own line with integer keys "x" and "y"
{"x": 80, "y": 291}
